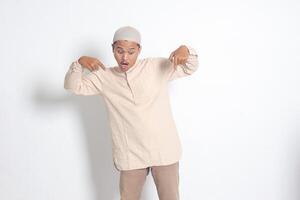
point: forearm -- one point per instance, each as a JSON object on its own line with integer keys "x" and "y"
{"x": 81, "y": 84}
{"x": 73, "y": 76}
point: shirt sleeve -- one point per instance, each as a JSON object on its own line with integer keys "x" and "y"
{"x": 183, "y": 70}
{"x": 83, "y": 84}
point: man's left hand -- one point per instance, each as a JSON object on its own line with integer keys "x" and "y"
{"x": 179, "y": 56}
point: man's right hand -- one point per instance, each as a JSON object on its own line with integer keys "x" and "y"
{"x": 90, "y": 63}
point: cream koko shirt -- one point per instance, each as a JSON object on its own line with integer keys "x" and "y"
{"x": 142, "y": 126}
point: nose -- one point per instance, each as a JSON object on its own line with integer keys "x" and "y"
{"x": 124, "y": 56}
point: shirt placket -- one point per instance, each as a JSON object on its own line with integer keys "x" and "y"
{"x": 129, "y": 85}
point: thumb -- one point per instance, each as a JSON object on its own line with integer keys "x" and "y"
{"x": 171, "y": 56}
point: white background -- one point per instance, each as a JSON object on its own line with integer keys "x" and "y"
{"x": 238, "y": 115}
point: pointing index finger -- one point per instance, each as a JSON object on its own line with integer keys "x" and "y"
{"x": 101, "y": 65}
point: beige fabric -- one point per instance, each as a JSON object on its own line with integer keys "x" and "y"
{"x": 166, "y": 179}
{"x": 142, "y": 126}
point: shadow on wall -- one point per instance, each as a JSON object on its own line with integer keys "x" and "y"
{"x": 97, "y": 133}
{"x": 93, "y": 117}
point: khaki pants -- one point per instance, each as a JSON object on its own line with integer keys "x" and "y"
{"x": 166, "y": 179}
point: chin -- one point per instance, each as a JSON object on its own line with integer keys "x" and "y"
{"x": 123, "y": 69}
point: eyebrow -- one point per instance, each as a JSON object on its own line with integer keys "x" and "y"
{"x": 129, "y": 48}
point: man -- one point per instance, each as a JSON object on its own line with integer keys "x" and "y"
{"x": 144, "y": 135}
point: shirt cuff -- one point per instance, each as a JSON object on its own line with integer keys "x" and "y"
{"x": 76, "y": 67}
{"x": 192, "y": 51}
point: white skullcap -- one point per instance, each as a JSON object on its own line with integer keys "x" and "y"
{"x": 127, "y": 33}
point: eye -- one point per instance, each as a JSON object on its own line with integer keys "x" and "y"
{"x": 131, "y": 52}
{"x": 120, "y": 51}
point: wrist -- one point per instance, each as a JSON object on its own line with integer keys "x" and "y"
{"x": 80, "y": 59}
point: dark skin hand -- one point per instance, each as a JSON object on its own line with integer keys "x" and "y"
{"x": 90, "y": 63}
{"x": 179, "y": 56}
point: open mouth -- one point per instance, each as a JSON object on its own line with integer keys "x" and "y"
{"x": 124, "y": 64}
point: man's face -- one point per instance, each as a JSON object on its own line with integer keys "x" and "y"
{"x": 126, "y": 53}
